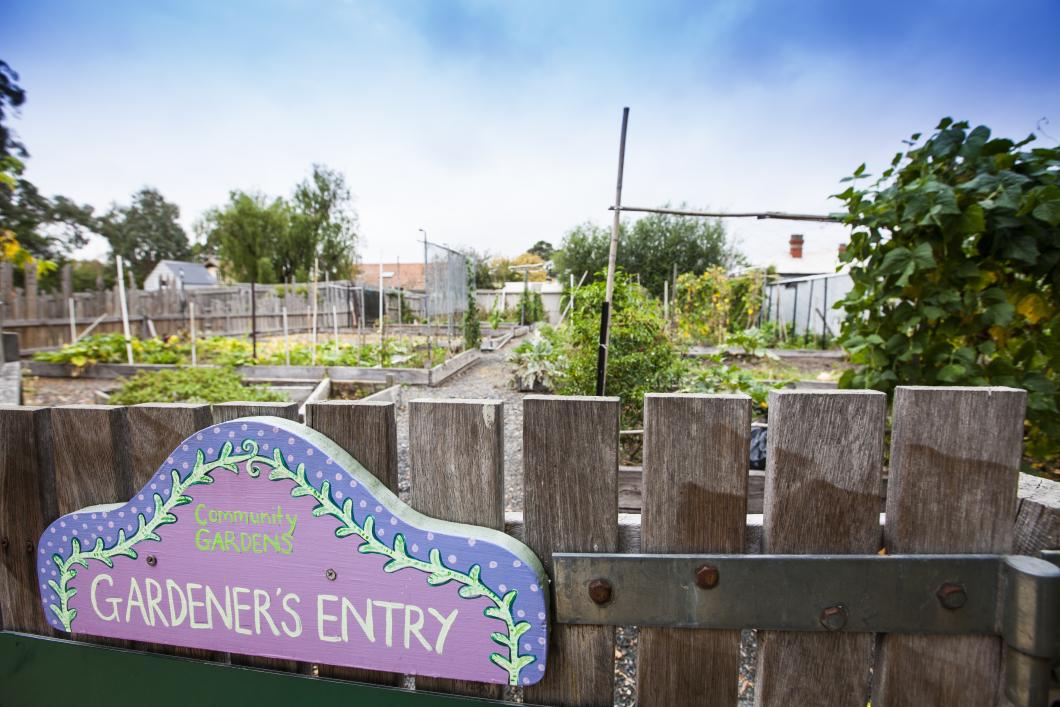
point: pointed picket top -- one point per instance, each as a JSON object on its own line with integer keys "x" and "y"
{"x": 262, "y": 536}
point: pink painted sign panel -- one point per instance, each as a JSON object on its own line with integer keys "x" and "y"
{"x": 260, "y": 536}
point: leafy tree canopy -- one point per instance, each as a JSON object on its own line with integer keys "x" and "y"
{"x": 542, "y": 249}
{"x": 954, "y": 256}
{"x": 145, "y": 232}
{"x": 244, "y": 233}
{"x": 650, "y": 248}
{"x": 323, "y": 225}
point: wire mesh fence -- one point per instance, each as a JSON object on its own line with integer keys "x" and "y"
{"x": 445, "y": 283}
{"x": 804, "y": 305}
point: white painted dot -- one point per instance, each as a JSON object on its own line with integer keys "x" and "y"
{"x": 290, "y": 457}
{"x": 430, "y": 536}
{"x": 169, "y": 461}
{"x": 216, "y": 430}
{"x": 353, "y": 482}
{"x": 451, "y": 559}
{"x": 493, "y": 564}
{"x": 533, "y": 587}
{"x": 527, "y": 647}
{"x": 309, "y": 452}
{"x": 198, "y": 437}
{"x": 540, "y": 667}
{"x": 381, "y": 532}
{"x": 521, "y": 614}
{"x": 379, "y": 509}
{"x": 338, "y": 495}
{"x": 503, "y": 588}
{"x": 541, "y": 640}
{"x": 140, "y": 497}
{"x": 184, "y": 465}
{"x": 232, "y": 433}
{"x": 393, "y": 521}
{"x": 290, "y": 440}
{"x": 184, "y": 447}
{"x": 62, "y": 524}
{"x": 320, "y": 474}
{"x": 261, "y": 433}
{"x": 50, "y": 544}
{"x": 541, "y": 615}
{"x": 244, "y": 427}
{"x": 338, "y": 477}
{"x": 327, "y": 461}
{"x": 471, "y": 542}
{"x": 363, "y": 503}
{"x": 415, "y": 547}
{"x": 517, "y": 563}
{"x": 154, "y": 486}
{"x": 93, "y": 516}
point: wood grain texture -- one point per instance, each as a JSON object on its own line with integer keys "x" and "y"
{"x": 155, "y": 430}
{"x": 955, "y": 456}
{"x": 695, "y": 500}
{"x": 368, "y": 431}
{"x": 27, "y": 505}
{"x": 92, "y": 464}
{"x": 570, "y": 464}
{"x": 823, "y": 470}
{"x": 1037, "y": 516}
{"x": 456, "y": 465}
{"x": 223, "y": 412}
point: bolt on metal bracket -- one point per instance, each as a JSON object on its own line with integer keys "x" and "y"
{"x": 1015, "y": 597}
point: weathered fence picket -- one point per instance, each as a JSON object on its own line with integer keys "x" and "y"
{"x": 460, "y": 481}
{"x": 953, "y": 480}
{"x": 570, "y": 465}
{"x": 368, "y": 431}
{"x": 955, "y": 455}
{"x": 823, "y": 470}
{"x": 695, "y": 500}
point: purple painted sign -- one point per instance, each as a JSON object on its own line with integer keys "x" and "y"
{"x": 263, "y": 537}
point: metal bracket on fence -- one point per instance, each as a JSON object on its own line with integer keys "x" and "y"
{"x": 1016, "y": 597}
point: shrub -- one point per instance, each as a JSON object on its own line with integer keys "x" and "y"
{"x": 192, "y": 385}
{"x": 709, "y": 306}
{"x": 642, "y": 358}
{"x": 472, "y": 329}
{"x": 534, "y": 307}
{"x": 110, "y": 348}
{"x": 954, "y": 256}
{"x": 536, "y": 364}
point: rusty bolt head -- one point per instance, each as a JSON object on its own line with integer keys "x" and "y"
{"x": 331, "y": 574}
{"x": 952, "y": 595}
{"x": 152, "y": 560}
{"x": 834, "y": 617}
{"x": 707, "y": 577}
{"x": 29, "y": 548}
{"x": 3, "y": 543}
{"x": 600, "y": 591}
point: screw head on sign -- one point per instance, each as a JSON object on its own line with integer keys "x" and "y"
{"x": 834, "y": 617}
{"x": 600, "y": 591}
{"x": 152, "y": 560}
{"x": 707, "y": 577}
{"x": 952, "y": 595}
{"x": 331, "y": 574}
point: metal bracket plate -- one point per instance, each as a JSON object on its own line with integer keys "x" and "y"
{"x": 1016, "y": 597}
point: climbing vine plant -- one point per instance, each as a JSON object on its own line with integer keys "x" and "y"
{"x": 438, "y": 573}
{"x": 954, "y": 256}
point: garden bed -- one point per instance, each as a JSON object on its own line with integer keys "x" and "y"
{"x": 270, "y": 374}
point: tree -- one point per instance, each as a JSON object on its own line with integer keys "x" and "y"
{"x": 323, "y": 226}
{"x": 649, "y": 248}
{"x": 542, "y": 249}
{"x": 12, "y": 96}
{"x": 482, "y": 277}
{"x": 535, "y": 275}
{"x": 244, "y": 232}
{"x": 954, "y": 257}
{"x": 472, "y": 328}
{"x": 145, "y": 232}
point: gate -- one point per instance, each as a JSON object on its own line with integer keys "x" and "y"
{"x": 944, "y": 601}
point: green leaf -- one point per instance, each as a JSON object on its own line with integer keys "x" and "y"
{"x": 951, "y": 373}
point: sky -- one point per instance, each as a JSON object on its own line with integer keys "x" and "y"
{"x": 495, "y": 124}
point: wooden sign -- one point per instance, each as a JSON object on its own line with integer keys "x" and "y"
{"x": 263, "y": 537}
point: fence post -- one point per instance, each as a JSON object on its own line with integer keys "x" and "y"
{"x": 27, "y": 505}
{"x": 570, "y": 477}
{"x": 824, "y": 467}
{"x": 955, "y": 455}
{"x": 368, "y": 431}
{"x": 695, "y": 500}
{"x": 456, "y": 462}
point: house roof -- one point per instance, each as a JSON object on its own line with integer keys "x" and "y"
{"x": 408, "y": 276}
{"x": 811, "y": 263}
{"x": 194, "y": 273}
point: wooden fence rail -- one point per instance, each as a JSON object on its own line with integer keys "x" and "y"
{"x": 954, "y": 479}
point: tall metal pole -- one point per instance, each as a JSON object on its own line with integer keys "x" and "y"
{"x": 426, "y": 296}
{"x": 124, "y": 308}
{"x": 605, "y": 309}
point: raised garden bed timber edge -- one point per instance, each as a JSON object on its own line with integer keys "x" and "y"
{"x": 262, "y": 374}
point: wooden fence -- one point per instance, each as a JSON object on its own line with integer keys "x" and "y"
{"x": 953, "y": 481}
{"x": 42, "y": 320}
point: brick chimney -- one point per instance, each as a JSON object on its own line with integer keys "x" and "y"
{"x": 795, "y": 245}
{"x": 842, "y": 248}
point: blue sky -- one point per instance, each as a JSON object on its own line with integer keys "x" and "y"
{"x": 495, "y": 124}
